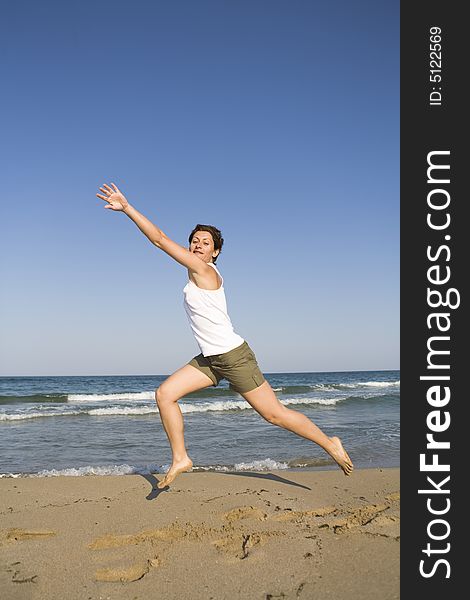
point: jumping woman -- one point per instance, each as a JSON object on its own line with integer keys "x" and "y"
{"x": 224, "y": 354}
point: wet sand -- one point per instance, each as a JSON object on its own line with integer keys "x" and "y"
{"x": 267, "y": 536}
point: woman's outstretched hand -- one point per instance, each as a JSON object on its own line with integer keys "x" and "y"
{"x": 115, "y": 199}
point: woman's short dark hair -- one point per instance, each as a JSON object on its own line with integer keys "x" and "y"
{"x": 216, "y": 236}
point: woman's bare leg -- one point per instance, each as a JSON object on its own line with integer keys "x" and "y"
{"x": 264, "y": 401}
{"x": 184, "y": 381}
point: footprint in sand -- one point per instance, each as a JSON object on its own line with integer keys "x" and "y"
{"x": 239, "y": 545}
{"x": 110, "y": 540}
{"x": 233, "y": 544}
{"x": 171, "y": 533}
{"x": 301, "y": 515}
{"x": 245, "y": 512}
{"x": 357, "y": 518}
{"x": 136, "y": 570}
{"x": 17, "y": 534}
{"x": 126, "y": 574}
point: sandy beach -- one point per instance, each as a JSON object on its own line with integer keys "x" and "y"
{"x": 266, "y": 536}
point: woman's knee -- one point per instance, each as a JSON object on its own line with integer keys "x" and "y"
{"x": 164, "y": 396}
{"x": 275, "y": 417}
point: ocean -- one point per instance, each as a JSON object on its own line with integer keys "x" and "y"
{"x": 81, "y": 425}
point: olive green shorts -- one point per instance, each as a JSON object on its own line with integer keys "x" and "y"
{"x": 238, "y": 367}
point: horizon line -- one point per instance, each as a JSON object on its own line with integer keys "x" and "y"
{"x": 167, "y": 375}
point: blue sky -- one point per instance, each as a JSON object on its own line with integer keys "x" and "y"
{"x": 276, "y": 121}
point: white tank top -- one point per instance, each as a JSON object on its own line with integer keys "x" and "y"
{"x": 208, "y": 318}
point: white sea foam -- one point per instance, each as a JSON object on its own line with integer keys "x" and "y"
{"x": 353, "y": 386}
{"x": 266, "y": 464}
{"x": 35, "y": 415}
{"x": 100, "y": 470}
{"x": 324, "y": 401}
{"x": 223, "y": 405}
{"x": 219, "y": 405}
{"x": 125, "y": 410}
{"x": 122, "y": 396}
{"x": 186, "y": 408}
{"x": 150, "y": 395}
{"x": 261, "y": 465}
{"x": 381, "y": 383}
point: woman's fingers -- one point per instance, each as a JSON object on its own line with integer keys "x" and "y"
{"x": 106, "y": 189}
{"x": 108, "y": 192}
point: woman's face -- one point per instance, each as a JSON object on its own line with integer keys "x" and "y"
{"x": 202, "y": 244}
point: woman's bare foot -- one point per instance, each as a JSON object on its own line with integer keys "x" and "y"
{"x": 340, "y": 456}
{"x": 174, "y": 470}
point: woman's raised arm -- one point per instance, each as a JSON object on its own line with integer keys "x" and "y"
{"x": 117, "y": 201}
